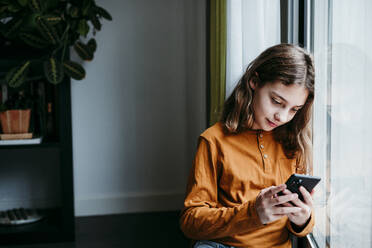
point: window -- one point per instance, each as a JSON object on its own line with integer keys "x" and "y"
{"x": 342, "y": 122}
{"x": 338, "y": 34}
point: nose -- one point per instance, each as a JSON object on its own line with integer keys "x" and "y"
{"x": 281, "y": 117}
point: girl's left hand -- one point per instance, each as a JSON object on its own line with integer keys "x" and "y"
{"x": 300, "y": 218}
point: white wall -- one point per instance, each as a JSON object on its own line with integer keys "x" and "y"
{"x": 137, "y": 115}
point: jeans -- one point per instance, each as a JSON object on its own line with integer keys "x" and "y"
{"x": 210, "y": 244}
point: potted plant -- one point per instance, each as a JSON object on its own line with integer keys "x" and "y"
{"x": 15, "y": 116}
{"x": 50, "y": 27}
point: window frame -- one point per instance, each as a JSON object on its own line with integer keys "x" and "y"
{"x": 297, "y": 27}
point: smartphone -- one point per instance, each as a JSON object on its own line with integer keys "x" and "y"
{"x": 296, "y": 180}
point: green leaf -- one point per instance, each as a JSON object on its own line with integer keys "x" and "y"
{"x": 96, "y": 23}
{"x": 23, "y": 3}
{"x": 87, "y": 5}
{"x": 30, "y": 21}
{"x": 17, "y": 75}
{"x": 53, "y": 71}
{"x": 33, "y": 40}
{"x": 12, "y": 27}
{"x": 52, "y": 19}
{"x": 35, "y": 5}
{"x": 3, "y": 9}
{"x": 104, "y": 13}
{"x": 73, "y": 11}
{"x": 17, "y": 82}
{"x": 47, "y": 31}
{"x": 4, "y": 14}
{"x": 51, "y": 4}
{"x": 92, "y": 44}
{"x": 85, "y": 11}
{"x": 74, "y": 70}
{"x": 14, "y": 7}
{"x": 83, "y": 28}
{"x": 83, "y": 51}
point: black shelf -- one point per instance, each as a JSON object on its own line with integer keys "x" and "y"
{"x": 59, "y": 226}
{"x": 32, "y": 146}
{"x": 46, "y": 225}
{"x": 48, "y": 229}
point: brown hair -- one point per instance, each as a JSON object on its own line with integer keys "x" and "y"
{"x": 288, "y": 64}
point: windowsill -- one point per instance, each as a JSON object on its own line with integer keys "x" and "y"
{"x": 310, "y": 241}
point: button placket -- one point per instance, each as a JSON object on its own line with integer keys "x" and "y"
{"x": 264, "y": 155}
{"x": 261, "y": 142}
{"x": 261, "y": 147}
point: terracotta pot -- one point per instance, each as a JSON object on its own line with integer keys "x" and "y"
{"x": 15, "y": 121}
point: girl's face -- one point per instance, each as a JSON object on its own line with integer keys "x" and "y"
{"x": 275, "y": 104}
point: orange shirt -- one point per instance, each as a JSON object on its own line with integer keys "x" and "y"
{"x": 228, "y": 173}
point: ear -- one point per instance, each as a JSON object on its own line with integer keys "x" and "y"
{"x": 252, "y": 84}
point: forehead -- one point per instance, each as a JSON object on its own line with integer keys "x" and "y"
{"x": 293, "y": 94}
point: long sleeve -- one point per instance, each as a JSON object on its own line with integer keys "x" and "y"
{"x": 306, "y": 230}
{"x": 202, "y": 216}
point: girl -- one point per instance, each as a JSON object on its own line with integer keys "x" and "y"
{"x": 243, "y": 161}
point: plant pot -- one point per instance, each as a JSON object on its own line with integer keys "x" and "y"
{"x": 15, "y": 121}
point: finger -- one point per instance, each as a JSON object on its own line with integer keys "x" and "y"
{"x": 274, "y": 190}
{"x": 287, "y": 204}
{"x": 286, "y": 210}
{"x": 287, "y": 192}
{"x": 312, "y": 192}
{"x": 301, "y": 204}
{"x": 307, "y": 196}
{"x": 266, "y": 189}
{"x": 282, "y": 199}
{"x": 278, "y": 216}
{"x": 298, "y": 203}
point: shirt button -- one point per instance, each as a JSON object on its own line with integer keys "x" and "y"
{"x": 261, "y": 135}
{"x": 265, "y": 156}
{"x": 262, "y": 146}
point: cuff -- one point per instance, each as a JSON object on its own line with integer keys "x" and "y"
{"x": 305, "y": 230}
{"x": 252, "y": 214}
{"x": 246, "y": 217}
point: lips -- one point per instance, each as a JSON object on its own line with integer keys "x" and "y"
{"x": 271, "y": 124}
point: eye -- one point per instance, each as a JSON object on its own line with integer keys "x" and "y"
{"x": 275, "y": 101}
{"x": 296, "y": 110}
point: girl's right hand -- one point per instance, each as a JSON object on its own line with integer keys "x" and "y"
{"x": 269, "y": 205}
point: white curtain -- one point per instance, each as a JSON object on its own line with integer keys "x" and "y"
{"x": 342, "y": 122}
{"x": 252, "y": 26}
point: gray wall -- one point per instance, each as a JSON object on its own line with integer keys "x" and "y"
{"x": 137, "y": 115}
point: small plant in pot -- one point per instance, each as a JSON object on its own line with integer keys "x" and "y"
{"x": 15, "y": 115}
